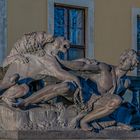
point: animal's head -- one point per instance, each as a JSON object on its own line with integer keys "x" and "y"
{"x": 128, "y": 60}
{"x": 60, "y": 44}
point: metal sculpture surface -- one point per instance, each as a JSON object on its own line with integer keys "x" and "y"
{"x": 35, "y": 53}
{"x": 95, "y": 97}
{"x": 110, "y": 81}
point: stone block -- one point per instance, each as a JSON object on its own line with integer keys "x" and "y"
{"x": 46, "y": 118}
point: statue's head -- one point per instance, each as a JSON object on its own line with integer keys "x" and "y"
{"x": 60, "y": 44}
{"x": 128, "y": 60}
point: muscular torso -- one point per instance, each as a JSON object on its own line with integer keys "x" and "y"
{"x": 104, "y": 79}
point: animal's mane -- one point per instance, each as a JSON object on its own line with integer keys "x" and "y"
{"x": 32, "y": 42}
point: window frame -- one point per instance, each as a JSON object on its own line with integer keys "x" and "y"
{"x": 88, "y": 5}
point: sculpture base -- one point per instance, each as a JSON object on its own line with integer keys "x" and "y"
{"x": 69, "y": 135}
{"x": 51, "y": 123}
{"x": 38, "y": 119}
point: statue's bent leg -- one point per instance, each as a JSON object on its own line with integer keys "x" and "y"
{"x": 13, "y": 93}
{"x": 103, "y": 107}
{"x": 49, "y": 92}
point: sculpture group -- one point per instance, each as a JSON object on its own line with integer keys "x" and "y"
{"x": 95, "y": 95}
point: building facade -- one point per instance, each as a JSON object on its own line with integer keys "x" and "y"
{"x": 109, "y": 26}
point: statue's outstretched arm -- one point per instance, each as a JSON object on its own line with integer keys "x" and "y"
{"x": 83, "y": 64}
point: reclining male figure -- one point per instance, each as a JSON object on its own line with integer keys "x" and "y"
{"x": 107, "y": 78}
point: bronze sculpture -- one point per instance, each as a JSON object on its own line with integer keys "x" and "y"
{"x": 29, "y": 55}
{"x": 108, "y": 79}
{"x": 30, "y": 63}
{"x": 103, "y": 104}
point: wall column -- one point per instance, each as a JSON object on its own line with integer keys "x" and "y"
{"x": 3, "y": 29}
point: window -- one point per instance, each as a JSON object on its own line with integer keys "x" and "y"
{"x": 69, "y": 22}
{"x": 76, "y": 23}
{"x": 136, "y": 35}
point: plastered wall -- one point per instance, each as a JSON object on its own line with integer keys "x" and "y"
{"x": 112, "y": 27}
{"x": 25, "y": 16}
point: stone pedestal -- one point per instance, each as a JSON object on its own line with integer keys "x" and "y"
{"x": 51, "y": 123}
{"x": 37, "y": 119}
